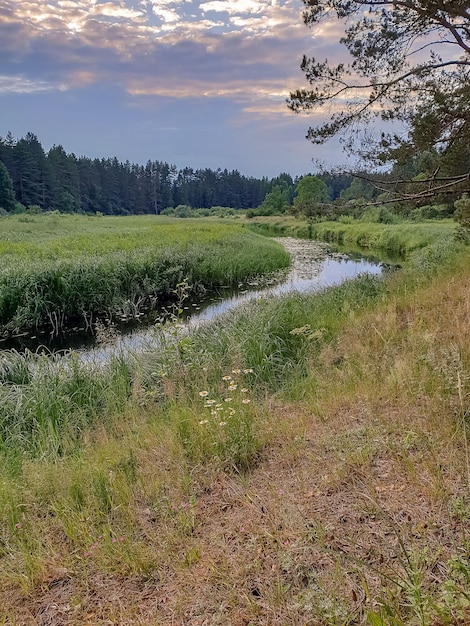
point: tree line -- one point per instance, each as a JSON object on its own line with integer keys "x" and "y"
{"x": 56, "y": 180}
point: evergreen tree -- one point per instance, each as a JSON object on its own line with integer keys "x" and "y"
{"x": 359, "y": 189}
{"x": 31, "y": 175}
{"x": 335, "y": 183}
{"x": 405, "y": 61}
{"x": 64, "y": 182}
{"x": 7, "y": 195}
{"x": 65, "y": 185}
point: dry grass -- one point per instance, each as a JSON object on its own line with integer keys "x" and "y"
{"x": 356, "y": 511}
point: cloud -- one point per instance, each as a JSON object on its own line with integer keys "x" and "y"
{"x": 112, "y": 42}
{"x": 109, "y": 9}
{"x": 234, "y": 7}
{"x": 244, "y": 53}
{"x": 20, "y": 84}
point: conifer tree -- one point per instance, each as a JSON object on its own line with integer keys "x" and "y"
{"x": 7, "y": 195}
{"x": 402, "y": 61}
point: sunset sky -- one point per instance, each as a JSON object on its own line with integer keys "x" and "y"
{"x": 198, "y": 84}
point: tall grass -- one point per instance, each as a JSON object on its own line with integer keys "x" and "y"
{"x": 283, "y": 513}
{"x": 55, "y": 281}
{"x": 47, "y": 402}
{"x": 275, "y": 337}
{"x": 280, "y": 337}
{"x": 392, "y": 239}
{"x": 398, "y": 239}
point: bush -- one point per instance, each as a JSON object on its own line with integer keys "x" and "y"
{"x": 222, "y": 211}
{"x": 19, "y": 208}
{"x": 430, "y": 212}
{"x": 380, "y": 215}
{"x": 33, "y": 209}
{"x": 183, "y": 210}
{"x": 202, "y": 212}
{"x": 345, "y": 219}
{"x": 462, "y": 212}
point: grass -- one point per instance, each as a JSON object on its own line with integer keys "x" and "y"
{"x": 47, "y": 402}
{"x": 60, "y": 270}
{"x": 340, "y": 494}
{"x": 395, "y": 240}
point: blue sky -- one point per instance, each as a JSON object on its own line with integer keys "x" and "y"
{"x": 199, "y": 84}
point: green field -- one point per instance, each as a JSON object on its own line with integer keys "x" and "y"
{"x": 62, "y": 269}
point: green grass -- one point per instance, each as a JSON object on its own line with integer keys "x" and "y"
{"x": 338, "y": 495}
{"x": 47, "y": 403}
{"x": 397, "y": 239}
{"x": 57, "y": 269}
{"x": 391, "y": 239}
{"x": 275, "y": 336}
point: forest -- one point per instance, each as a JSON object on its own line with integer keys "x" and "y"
{"x": 56, "y": 180}
{"x": 37, "y": 181}
{"x": 60, "y": 181}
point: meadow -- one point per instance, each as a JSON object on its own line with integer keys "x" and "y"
{"x": 58, "y": 270}
{"x": 301, "y": 460}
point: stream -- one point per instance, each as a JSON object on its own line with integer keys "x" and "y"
{"x": 313, "y": 267}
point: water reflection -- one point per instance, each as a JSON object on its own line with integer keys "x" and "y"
{"x": 329, "y": 271}
{"x": 312, "y": 268}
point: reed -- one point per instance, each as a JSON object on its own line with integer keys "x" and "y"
{"x": 392, "y": 239}
{"x": 275, "y": 337}
{"x": 54, "y": 282}
{"x": 47, "y": 402}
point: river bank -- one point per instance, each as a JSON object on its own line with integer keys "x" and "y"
{"x": 312, "y": 266}
{"x": 395, "y": 241}
{"x": 62, "y": 271}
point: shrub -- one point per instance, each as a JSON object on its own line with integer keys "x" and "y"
{"x": 430, "y": 212}
{"x": 380, "y": 215}
{"x": 183, "y": 210}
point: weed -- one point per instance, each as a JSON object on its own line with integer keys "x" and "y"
{"x": 222, "y": 429}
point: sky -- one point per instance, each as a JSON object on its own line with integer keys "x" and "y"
{"x": 197, "y": 84}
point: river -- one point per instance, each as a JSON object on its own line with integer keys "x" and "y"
{"x": 313, "y": 267}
